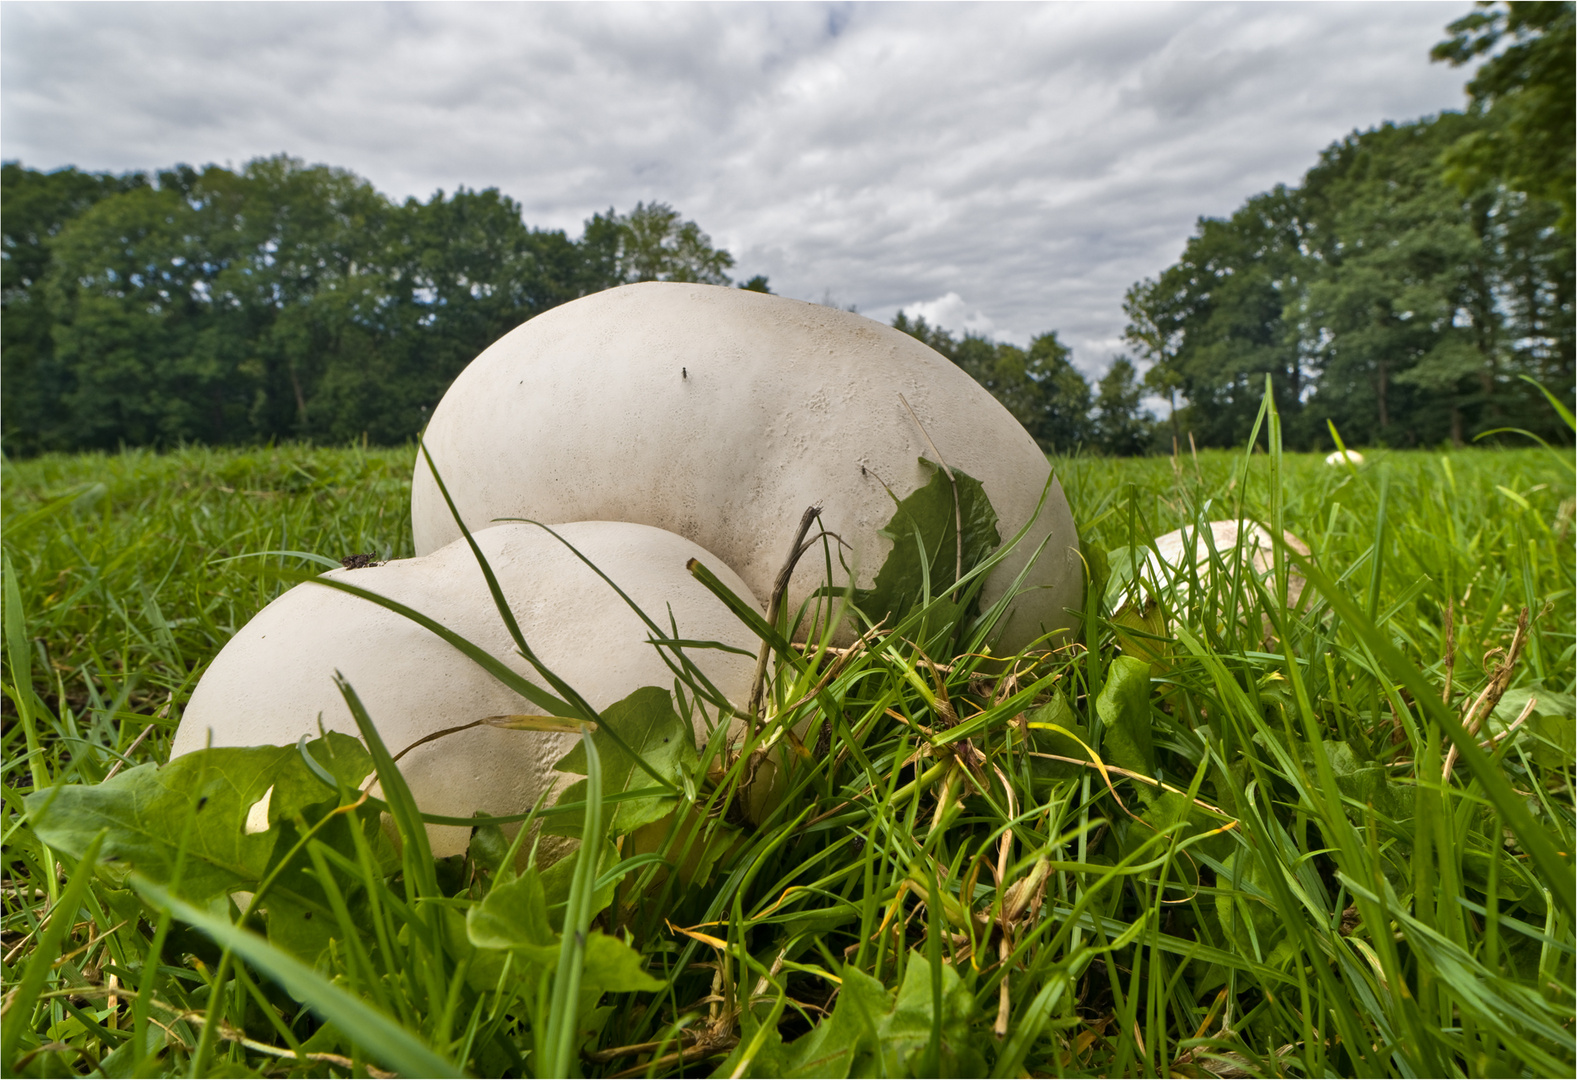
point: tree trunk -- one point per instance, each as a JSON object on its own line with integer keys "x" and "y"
{"x": 301, "y": 402}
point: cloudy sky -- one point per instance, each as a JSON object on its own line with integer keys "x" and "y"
{"x": 1005, "y": 168}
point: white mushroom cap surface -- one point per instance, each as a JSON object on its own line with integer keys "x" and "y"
{"x": 1174, "y": 550}
{"x": 721, "y": 414}
{"x": 1344, "y": 457}
{"x": 276, "y": 676}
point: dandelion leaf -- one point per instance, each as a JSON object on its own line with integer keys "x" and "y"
{"x": 873, "y": 1032}
{"x": 514, "y": 917}
{"x": 924, "y": 533}
{"x": 845, "y": 1044}
{"x": 1064, "y": 741}
{"x": 1244, "y": 909}
{"x": 648, "y": 725}
{"x": 1549, "y": 733}
{"x": 905, "y": 1033}
{"x": 1124, "y": 708}
{"x": 202, "y": 804}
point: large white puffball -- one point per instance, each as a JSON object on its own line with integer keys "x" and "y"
{"x": 274, "y": 679}
{"x": 721, "y": 414}
{"x": 1344, "y": 457}
{"x": 1173, "y": 551}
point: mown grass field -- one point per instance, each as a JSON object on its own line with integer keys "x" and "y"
{"x": 1211, "y": 837}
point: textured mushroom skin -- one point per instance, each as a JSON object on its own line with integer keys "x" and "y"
{"x": 721, "y": 414}
{"x": 269, "y": 684}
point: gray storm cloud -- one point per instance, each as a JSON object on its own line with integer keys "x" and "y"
{"x": 1004, "y": 168}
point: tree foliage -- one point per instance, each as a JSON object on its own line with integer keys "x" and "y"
{"x": 1375, "y": 295}
{"x": 652, "y": 243}
{"x": 1527, "y": 92}
{"x": 1039, "y": 385}
{"x": 281, "y": 300}
{"x": 1122, "y": 428}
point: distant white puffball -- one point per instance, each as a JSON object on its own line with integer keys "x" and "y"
{"x": 1344, "y": 457}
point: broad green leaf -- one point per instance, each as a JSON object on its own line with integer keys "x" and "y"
{"x": 844, "y": 1044}
{"x": 1124, "y": 708}
{"x": 873, "y": 1032}
{"x": 927, "y": 517}
{"x": 612, "y": 966}
{"x": 299, "y": 917}
{"x": 201, "y": 799}
{"x": 647, "y": 723}
{"x": 245, "y": 807}
{"x": 1243, "y": 907}
{"x": 146, "y": 809}
{"x": 1138, "y": 625}
{"x": 688, "y": 839}
{"x": 1057, "y": 713}
{"x": 905, "y": 1034}
{"x": 1554, "y": 741}
{"x": 514, "y": 917}
{"x": 489, "y": 847}
{"x": 342, "y": 756}
{"x": 556, "y": 881}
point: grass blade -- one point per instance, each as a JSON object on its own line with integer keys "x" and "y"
{"x": 577, "y": 923}
{"x": 24, "y": 995}
{"x": 378, "y": 1035}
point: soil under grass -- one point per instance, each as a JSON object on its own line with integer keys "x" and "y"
{"x": 1208, "y": 837}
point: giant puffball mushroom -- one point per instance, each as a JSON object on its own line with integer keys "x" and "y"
{"x": 1344, "y": 457}
{"x": 1172, "y": 552}
{"x": 276, "y": 676}
{"x": 721, "y": 414}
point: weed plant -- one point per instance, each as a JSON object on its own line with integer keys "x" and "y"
{"x": 1215, "y": 833}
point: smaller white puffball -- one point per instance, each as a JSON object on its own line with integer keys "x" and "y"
{"x": 274, "y": 681}
{"x": 1344, "y": 457}
{"x": 1173, "y": 551}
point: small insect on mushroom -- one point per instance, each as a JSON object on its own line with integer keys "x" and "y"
{"x": 360, "y": 562}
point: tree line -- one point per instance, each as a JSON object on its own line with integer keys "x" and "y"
{"x": 279, "y": 301}
{"x": 1403, "y": 291}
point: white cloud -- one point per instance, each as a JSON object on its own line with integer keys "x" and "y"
{"x": 1037, "y": 159}
{"x": 952, "y": 313}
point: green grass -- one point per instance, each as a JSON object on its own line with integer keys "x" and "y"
{"x": 1302, "y": 896}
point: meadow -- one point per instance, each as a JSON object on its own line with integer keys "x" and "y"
{"x": 1217, "y": 835}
